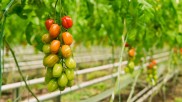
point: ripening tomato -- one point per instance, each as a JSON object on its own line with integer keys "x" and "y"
{"x": 67, "y": 22}
{"x": 154, "y": 62}
{"x": 48, "y": 23}
{"x": 46, "y": 48}
{"x": 57, "y": 70}
{"x": 70, "y": 63}
{"x": 67, "y": 38}
{"x": 46, "y": 38}
{"x": 131, "y": 52}
{"x": 62, "y": 81}
{"x": 50, "y": 60}
{"x": 69, "y": 73}
{"x": 66, "y": 51}
{"x": 70, "y": 83}
{"x": 52, "y": 85}
{"x": 180, "y": 50}
{"x": 55, "y": 45}
{"x": 54, "y": 30}
{"x": 150, "y": 66}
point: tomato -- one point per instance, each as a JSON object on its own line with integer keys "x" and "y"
{"x": 69, "y": 73}
{"x": 126, "y": 44}
{"x": 127, "y": 70}
{"x": 54, "y": 30}
{"x": 67, "y": 22}
{"x": 52, "y": 85}
{"x": 57, "y": 70}
{"x": 48, "y": 75}
{"x": 47, "y": 79}
{"x": 62, "y": 81}
{"x": 180, "y": 50}
{"x": 70, "y": 83}
{"x": 66, "y": 51}
{"x": 131, "y": 65}
{"x": 150, "y": 66}
{"x": 48, "y": 23}
{"x": 50, "y": 60}
{"x": 55, "y": 45}
{"x": 61, "y": 88}
{"x": 46, "y": 38}
{"x": 49, "y": 72}
{"x": 131, "y": 52}
{"x": 70, "y": 63}
{"x": 46, "y": 48}
{"x": 154, "y": 62}
{"x": 67, "y": 38}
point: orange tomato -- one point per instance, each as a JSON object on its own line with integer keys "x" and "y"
{"x": 180, "y": 50}
{"x": 54, "y": 30}
{"x": 67, "y": 38}
{"x": 66, "y": 51}
{"x": 55, "y": 45}
{"x": 150, "y": 66}
{"x": 131, "y": 52}
{"x": 154, "y": 62}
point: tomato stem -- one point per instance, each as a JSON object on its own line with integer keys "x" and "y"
{"x": 20, "y": 72}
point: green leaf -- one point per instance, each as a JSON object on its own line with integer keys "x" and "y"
{"x": 28, "y": 33}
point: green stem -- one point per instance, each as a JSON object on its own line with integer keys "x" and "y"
{"x": 20, "y": 72}
{"x": 125, "y": 37}
{"x": 133, "y": 87}
{"x": 55, "y": 8}
{"x": 1, "y": 39}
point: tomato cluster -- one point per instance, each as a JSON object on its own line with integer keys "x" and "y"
{"x": 58, "y": 58}
{"x": 130, "y": 66}
{"x": 152, "y": 72}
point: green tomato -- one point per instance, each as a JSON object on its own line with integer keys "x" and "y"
{"x": 131, "y": 65}
{"x": 69, "y": 73}
{"x": 70, "y": 63}
{"x": 61, "y": 88}
{"x": 127, "y": 70}
{"x": 46, "y": 48}
{"x": 46, "y": 38}
{"x": 48, "y": 75}
{"x": 50, "y": 60}
{"x": 57, "y": 70}
{"x": 52, "y": 85}
{"x": 70, "y": 83}
{"x": 47, "y": 79}
{"x": 63, "y": 80}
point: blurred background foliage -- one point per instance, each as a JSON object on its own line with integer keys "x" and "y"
{"x": 149, "y": 23}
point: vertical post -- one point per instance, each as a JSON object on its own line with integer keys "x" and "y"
{"x": 58, "y": 98}
{"x": 16, "y": 94}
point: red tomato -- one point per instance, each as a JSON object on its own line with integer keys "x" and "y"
{"x": 67, "y": 22}
{"x": 54, "y": 30}
{"x": 126, "y": 44}
{"x": 48, "y": 23}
